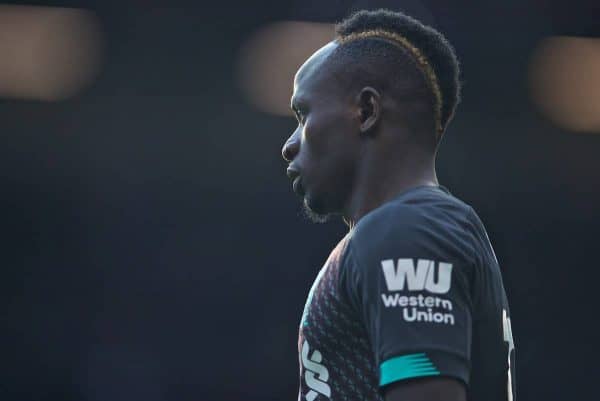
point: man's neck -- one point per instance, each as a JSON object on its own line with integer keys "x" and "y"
{"x": 380, "y": 180}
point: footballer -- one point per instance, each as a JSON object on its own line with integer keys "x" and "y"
{"x": 410, "y": 304}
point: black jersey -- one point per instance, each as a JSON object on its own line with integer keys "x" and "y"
{"x": 413, "y": 290}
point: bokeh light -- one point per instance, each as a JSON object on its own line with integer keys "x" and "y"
{"x": 565, "y": 82}
{"x": 49, "y": 53}
{"x": 270, "y": 58}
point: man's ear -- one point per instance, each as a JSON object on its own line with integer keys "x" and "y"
{"x": 369, "y": 107}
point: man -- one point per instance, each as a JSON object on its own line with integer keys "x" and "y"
{"x": 410, "y": 304}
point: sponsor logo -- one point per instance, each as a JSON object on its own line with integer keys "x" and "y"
{"x": 315, "y": 373}
{"x": 417, "y": 278}
{"x": 425, "y": 276}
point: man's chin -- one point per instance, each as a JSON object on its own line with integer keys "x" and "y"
{"x": 315, "y": 211}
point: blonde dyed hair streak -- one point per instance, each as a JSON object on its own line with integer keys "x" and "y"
{"x": 421, "y": 60}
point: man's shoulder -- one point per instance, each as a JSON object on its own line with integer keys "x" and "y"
{"x": 417, "y": 219}
{"x": 415, "y": 208}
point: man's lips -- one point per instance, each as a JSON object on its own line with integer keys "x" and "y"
{"x": 297, "y": 186}
{"x": 294, "y": 175}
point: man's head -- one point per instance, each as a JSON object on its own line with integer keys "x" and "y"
{"x": 385, "y": 73}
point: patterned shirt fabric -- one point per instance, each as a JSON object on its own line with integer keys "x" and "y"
{"x": 413, "y": 290}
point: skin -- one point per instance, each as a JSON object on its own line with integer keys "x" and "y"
{"x": 351, "y": 152}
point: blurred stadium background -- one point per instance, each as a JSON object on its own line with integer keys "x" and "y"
{"x": 152, "y": 248}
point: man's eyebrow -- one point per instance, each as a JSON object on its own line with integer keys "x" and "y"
{"x": 297, "y": 102}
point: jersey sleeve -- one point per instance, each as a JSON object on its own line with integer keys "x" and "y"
{"x": 407, "y": 276}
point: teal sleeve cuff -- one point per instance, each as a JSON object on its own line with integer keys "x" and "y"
{"x": 406, "y": 367}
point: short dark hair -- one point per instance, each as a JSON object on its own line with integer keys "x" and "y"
{"x": 372, "y": 33}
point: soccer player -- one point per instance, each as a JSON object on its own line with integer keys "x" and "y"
{"x": 410, "y": 304}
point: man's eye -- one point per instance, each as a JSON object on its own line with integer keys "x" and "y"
{"x": 300, "y": 116}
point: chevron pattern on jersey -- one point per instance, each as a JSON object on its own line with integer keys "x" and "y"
{"x": 332, "y": 328}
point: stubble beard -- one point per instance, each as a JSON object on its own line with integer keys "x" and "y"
{"x": 313, "y": 215}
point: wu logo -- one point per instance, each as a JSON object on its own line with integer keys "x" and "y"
{"x": 315, "y": 374}
{"x": 417, "y": 278}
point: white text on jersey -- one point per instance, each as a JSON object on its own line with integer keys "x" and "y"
{"x": 417, "y": 278}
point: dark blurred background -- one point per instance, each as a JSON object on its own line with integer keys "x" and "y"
{"x": 151, "y": 246}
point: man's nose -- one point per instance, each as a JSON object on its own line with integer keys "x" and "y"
{"x": 291, "y": 147}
